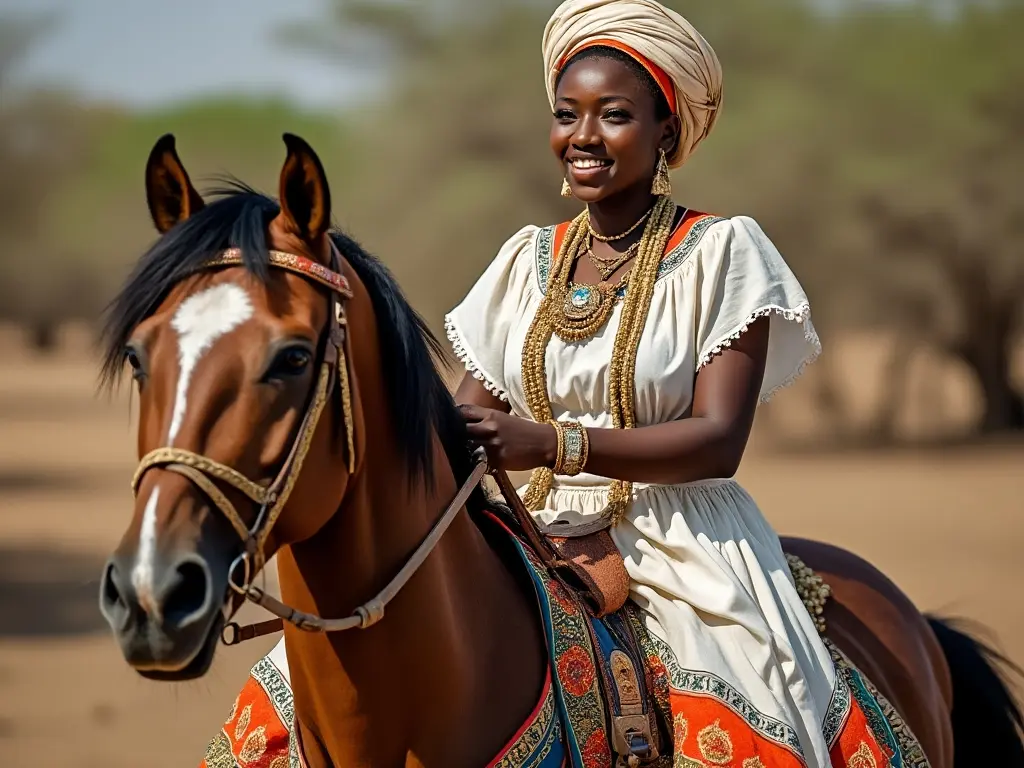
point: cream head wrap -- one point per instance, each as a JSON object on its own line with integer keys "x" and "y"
{"x": 652, "y": 34}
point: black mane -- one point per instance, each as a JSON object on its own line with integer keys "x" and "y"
{"x": 237, "y": 216}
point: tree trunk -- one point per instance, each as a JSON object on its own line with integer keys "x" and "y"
{"x": 882, "y": 428}
{"x": 1003, "y": 405}
{"x": 42, "y": 335}
{"x": 989, "y": 311}
{"x": 987, "y": 351}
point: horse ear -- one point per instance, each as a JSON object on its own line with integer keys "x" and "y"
{"x": 169, "y": 191}
{"x": 303, "y": 192}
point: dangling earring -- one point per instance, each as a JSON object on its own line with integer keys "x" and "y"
{"x": 662, "y": 184}
{"x": 566, "y": 189}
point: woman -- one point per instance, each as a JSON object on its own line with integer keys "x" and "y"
{"x": 624, "y": 354}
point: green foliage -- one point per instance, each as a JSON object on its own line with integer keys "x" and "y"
{"x": 94, "y": 223}
{"x": 39, "y": 149}
{"x": 879, "y": 144}
{"x": 844, "y": 133}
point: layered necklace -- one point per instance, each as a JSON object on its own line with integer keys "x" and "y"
{"x": 607, "y": 265}
{"x": 576, "y": 311}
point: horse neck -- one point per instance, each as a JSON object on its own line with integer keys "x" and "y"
{"x": 460, "y": 630}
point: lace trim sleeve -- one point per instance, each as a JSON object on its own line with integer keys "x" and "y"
{"x": 800, "y": 315}
{"x": 462, "y": 353}
{"x": 743, "y": 278}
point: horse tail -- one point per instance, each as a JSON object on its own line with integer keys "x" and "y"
{"x": 988, "y": 727}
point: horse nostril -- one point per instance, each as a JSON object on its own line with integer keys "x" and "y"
{"x": 113, "y": 602}
{"x": 190, "y": 595}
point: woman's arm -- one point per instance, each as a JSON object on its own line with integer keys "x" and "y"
{"x": 707, "y": 445}
{"x": 472, "y": 391}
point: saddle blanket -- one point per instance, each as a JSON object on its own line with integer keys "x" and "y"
{"x": 702, "y": 721}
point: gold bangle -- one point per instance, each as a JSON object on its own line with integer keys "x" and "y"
{"x": 560, "y": 451}
{"x": 573, "y": 448}
{"x": 585, "y": 457}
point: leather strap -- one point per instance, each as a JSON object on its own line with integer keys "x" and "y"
{"x": 564, "y": 530}
{"x": 372, "y": 611}
{"x": 544, "y": 549}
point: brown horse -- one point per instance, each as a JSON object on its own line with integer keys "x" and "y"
{"x": 226, "y": 361}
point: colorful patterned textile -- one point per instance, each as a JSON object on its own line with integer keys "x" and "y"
{"x": 713, "y": 727}
{"x": 539, "y": 743}
{"x": 711, "y": 724}
{"x": 885, "y": 722}
{"x": 571, "y": 650}
{"x": 259, "y": 732}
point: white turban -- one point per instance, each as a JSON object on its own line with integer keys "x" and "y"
{"x": 658, "y": 34}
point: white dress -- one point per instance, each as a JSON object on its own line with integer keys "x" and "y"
{"x": 704, "y": 562}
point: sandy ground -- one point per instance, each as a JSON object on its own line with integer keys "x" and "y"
{"x": 947, "y": 526}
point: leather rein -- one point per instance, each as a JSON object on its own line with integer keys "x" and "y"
{"x": 204, "y": 472}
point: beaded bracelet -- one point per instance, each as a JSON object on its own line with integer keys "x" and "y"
{"x": 560, "y": 450}
{"x": 573, "y": 448}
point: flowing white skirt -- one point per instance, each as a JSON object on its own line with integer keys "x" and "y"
{"x": 711, "y": 573}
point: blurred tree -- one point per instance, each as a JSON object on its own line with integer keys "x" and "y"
{"x": 39, "y": 149}
{"x": 457, "y": 147}
{"x": 879, "y": 144}
{"x": 946, "y": 216}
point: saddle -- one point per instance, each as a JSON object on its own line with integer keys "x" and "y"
{"x": 586, "y": 563}
{"x": 584, "y": 557}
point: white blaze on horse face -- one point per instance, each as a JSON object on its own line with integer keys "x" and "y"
{"x": 142, "y": 574}
{"x": 200, "y": 320}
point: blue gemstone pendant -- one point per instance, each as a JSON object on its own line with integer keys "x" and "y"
{"x": 583, "y": 302}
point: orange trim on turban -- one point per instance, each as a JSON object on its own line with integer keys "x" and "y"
{"x": 660, "y": 77}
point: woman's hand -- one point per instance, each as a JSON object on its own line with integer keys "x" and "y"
{"x": 511, "y": 443}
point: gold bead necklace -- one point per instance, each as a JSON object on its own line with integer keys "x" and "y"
{"x": 562, "y": 312}
{"x": 613, "y": 238}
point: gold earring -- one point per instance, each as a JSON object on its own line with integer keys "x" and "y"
{"x": 662, "y": 184}
{"x": 566, "y": 189}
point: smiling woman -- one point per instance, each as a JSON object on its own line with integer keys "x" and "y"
{"x": 621, "y": 356}
{"x": 606, "y": 89}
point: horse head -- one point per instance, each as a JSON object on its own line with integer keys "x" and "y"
{"x": 233, "y": 326}
{"x": 291, "y": 405}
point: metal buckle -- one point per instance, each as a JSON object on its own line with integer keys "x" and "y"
{"x": 231, "y": 634}
{"x": 631, "y": 736}
{"x": 242, "y": 558}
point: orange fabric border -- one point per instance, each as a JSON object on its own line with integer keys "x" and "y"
{"x": 707, "y": 732}
{"x": 660, "y": 76}
{"x": 257, "y": 738}
{"x": 256, "y": 734}
{"x": 857, "y": 746}
{"x": 559, "y": 238}
{"x": 683, "y": 229}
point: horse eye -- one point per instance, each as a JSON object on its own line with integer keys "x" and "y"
{"x": 132, "y": 358}
{"x": 290, "y": 362}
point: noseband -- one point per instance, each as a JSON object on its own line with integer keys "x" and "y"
{"x": 272, "y": 498}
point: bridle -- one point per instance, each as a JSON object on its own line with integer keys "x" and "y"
{"x": 204, "y": 472}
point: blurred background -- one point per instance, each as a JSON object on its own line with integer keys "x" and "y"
{"x": 880, "y": 144}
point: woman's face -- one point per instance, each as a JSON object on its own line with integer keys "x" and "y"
{"x": 605, "y": 129}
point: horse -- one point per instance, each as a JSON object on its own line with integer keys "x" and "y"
{"x": 292, "y": 404}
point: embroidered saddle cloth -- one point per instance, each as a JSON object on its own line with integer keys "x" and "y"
{"x": 705, "y": 723}
{"x": 612, "y": 689}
